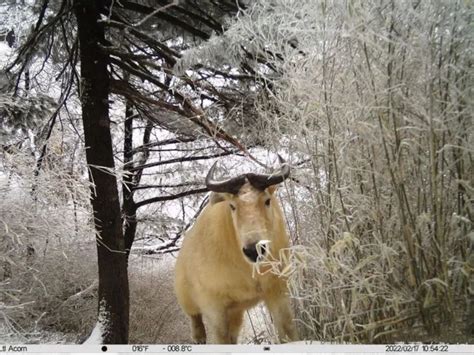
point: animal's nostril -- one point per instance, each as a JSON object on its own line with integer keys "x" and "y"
{"x": 251, "y": 251}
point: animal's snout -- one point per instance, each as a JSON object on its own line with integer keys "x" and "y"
{"x": 252, "y": 251}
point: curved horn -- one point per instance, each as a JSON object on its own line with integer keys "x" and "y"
{"x": 231, "y": 185}
{"x": 262, "y": 181}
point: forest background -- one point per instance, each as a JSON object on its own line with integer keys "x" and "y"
{"x": 371, "y": 104}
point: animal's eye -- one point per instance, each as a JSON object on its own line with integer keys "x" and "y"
{"x": 232, "y": 207}
{"x": 267, "y": 202}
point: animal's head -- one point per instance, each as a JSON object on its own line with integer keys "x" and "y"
{"x": 252, "y": 205}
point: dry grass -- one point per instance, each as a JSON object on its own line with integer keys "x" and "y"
{"x": 155, "y": 316}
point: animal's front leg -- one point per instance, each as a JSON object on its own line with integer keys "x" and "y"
{"x": 279, "y": 307}
{"x": 219, "y": 325}
{"x": 236, "y": 317}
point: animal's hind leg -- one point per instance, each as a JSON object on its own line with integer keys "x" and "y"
{"x": 197, "y": 329}
{"x": 236, "y": 318}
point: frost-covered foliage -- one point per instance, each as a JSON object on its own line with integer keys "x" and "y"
{"x": 18, "y": 17}
{"x": 45, "y": 236}
{"x": 375, "y": 98}
{"x": 23, "y": 117}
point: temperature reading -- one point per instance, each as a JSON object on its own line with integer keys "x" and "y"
{"x": 139, "y": 348}
{"x": 180, "y": 348}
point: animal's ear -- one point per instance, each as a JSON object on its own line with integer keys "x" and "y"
{"x": 272, "y": 189}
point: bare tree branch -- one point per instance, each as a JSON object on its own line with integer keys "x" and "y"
{"x": 171, "y": 197}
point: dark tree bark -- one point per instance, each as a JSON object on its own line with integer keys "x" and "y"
{"x": 112, "y": 261}
{"x": 129, "y": 210}
{"x": 132, "y": 178}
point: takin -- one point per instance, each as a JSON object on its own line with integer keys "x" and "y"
{"x": 241, "y": 226}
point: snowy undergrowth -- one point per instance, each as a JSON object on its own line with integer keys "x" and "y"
{"x": 45, "y": 236}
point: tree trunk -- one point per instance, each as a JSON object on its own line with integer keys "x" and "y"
{"x": 128, "y": 204}
{"x": 133, "y": 175}
{"x": 112, "y": 262}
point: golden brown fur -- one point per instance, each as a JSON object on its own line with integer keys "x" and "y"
{"x": 214, "y": 278}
